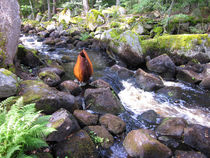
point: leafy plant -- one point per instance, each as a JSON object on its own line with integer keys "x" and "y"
{"x": 84, "y": 36}
{"x": 96, "y": 139}
{"x": 21, "y": 129}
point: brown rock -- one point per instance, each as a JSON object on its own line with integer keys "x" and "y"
{"x": 86, "y": 118}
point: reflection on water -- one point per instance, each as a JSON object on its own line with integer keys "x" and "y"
{"x": 139, "y": 101}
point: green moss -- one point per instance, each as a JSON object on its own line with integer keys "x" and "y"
{"x": 49, "y": 74}
{"x": 175, "y": 42}
{"x": 114, "y": 24}
{"x": 57, "y": 123}
{"x": 6, "y": 72}
{"x": 34, "y": 23}
{"x": 158, "y": 30}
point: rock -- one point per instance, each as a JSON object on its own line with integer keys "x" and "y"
{"x": 126, "y": 45}
{"x": 42, "y": 155}
{"x": 188, "y": 75}
{"x": 180, "y": 48}
{"x": 197, "y": 137}
{"x": 51, "y": 27}
{"x": 28, "y": 57}
{"x": 65, "y": 15}
{"x": 50, "y": 78}
{"x": 71, "y": 87}
{"x": 162, "y": 65}
{"x": 100, "y": 84}
{"x": 59, "y": 70}
{"x": 148, "y": 81}
{"x": 113, "y": 123}
{"x": 112, "y": 11}
{"x": 138, "y": 143}
{"x": 139, "y": 29}
{"x": 64, "y": 123}
{"x": 205, "y": 83}
{"x": 172, "y": 127}
{"x": 49, "y": 41}
{"x": 103, "y": 100}
{"x": 188, "y": 154}
{"x": 8, "y": 83}
{"x": 150, "y": 117}
{"x": 9, "y": 31}
{"x": 169, "y": 141}
{"x": 94, "y": 19}
{"x": 78, "y": 145}
{"x": 60, "y": 44}
{"x": 122, "y": 72}
{"x": 85, "y": 118}
{"x": 82, "y": 44}
{"x": 46, "y": 98}
{"x": 44, "y": 34}
{"x": 38, "y": 17}
{"x": 100, "y": 131}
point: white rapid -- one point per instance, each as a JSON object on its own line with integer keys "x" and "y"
{"x": 139, "y": 101}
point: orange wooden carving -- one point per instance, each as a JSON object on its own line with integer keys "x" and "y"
{"x": 83, "y": 68}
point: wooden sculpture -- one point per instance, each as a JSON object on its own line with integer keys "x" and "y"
{"x": 83, "y": 68}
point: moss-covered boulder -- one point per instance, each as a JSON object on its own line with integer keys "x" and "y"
{"x": 28, "y": 57}
{"x": 94, "y": 19}
{"x": 126, "y": 45}
{"x": 78, "y": 145}
{"x": 8, "y": 83}
{"x": 46, "y": 98}
{"x": 9, "y": 31}
{"x": 180, "y": 47}
{"x": 50, "y": 78}
{"x": 65, "y": 15}
{"x": 103, "y": 100}
{"x": 139, "y": 143}
{"x": 114, "y": 11}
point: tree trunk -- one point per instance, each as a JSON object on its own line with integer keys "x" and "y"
{"x": 32, "y": 10}
{"x": 49, "y": 10}
{"x": 85, "y": 6}
{"x": 117, "y": 2}
{"x": 54, "y": 7}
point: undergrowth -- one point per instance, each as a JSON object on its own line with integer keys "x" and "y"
{"x": 22, "y": 129}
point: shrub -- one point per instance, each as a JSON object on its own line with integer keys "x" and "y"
{"x": 21, "y": 129}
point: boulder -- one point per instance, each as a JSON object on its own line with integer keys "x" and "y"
{"x": 162, "y": 65}
{"x": 139, "y": 29}
{"x": 65, "y": 15}
{"x": 138, "y": 143}
{"x": 55, "y": 69}
{"x": 100, "y": 84}
{"x": 122, "y": 72}
{"x": 150, "y": 117}
{"x": 172, "y": 127}
{"x": 113, "y": 123}
{"x": 94, "y": 19}
{"x": 9, "y": 31}
{"x": 188, "y": 154}
{"x": 147, "y": 81}
{"x": 71, "y": 87}
{"x": 51, "y": 27}
{"x": 50, "y": 78}
{"x": 85, "y": 118}
{"x": 126, "y": 45}
{"x": 49, "y": 41}
{"x": 180, "y": 48}
{"x": 197, "y": 137}
{"x": 103, "y": 100}
{"x": 46, "y": 98}
{"x": 8, "y": 83}
{"x": 64, "y": 123}
{"x": 78, "y": 145}
{"x": 205, "y": 83}
{"x": 101, "y": 132}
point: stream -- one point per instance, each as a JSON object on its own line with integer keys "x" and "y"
{"x": 178, "y": 99}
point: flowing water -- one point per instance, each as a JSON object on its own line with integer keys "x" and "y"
{"x": 175, "y": 100}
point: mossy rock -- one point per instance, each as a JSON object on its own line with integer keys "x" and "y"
{"x": 33, "y": 23}
{"x": 64, "y": 15}
{"x": 94, "y": 19}
{"x": 50, "y": 78}
{"x": 185, "y": 46}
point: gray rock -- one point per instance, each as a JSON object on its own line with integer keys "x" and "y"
{"x": 100, "y": 131}
{"x": 113, "y": 123}
{"x": 148, "y": 81}
{"x": 100, "y": 84}
{"x": 103, "y": 100}
{"x": 197, "y": 137}
{"x": 122, "y": 72}
{"x": 55, "y": 69}
{"x": 71, "y": 87}
{"x": 138, "y": 143}
{"x": 205, "y": 83}
{"x": 188, "y": 154}
{"x": 85, "y": 118}
{"x": 172, "y": 127}
{"x": 50, "y": 78}
{"x": 150, "y": 117}
{"x": 64, "y": 123}
{"x": 8, "y": 83}
{"x": 78, "y": 145}
{"x": 9, "y": 31}
{"x": 162, "y": 65}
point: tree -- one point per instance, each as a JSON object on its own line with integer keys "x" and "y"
{"x": 54, "y": 7}
{"x": 117, "y": 2}
{"x": 49, "y": 10}
{"x": 85, "y": 6}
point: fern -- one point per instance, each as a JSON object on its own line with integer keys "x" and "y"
{"x": 23, "y": 129}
